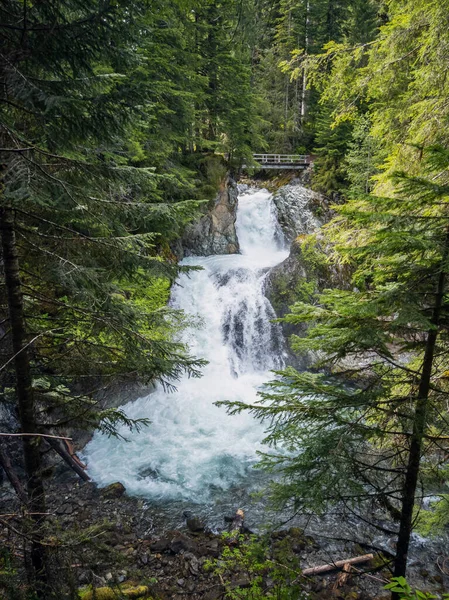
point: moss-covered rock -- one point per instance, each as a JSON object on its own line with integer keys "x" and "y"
{"x": 300, "y": 278}
{"x": 114, "y": 490}
{"x": 109, "y": 593}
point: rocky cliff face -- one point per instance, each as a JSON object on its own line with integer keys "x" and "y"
{"x": 300, "y": 210}
{"x": 301, "y": 213}
{"x": 215, "y": 232}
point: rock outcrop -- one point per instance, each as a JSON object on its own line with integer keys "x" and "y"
{"x": 300, "y": 210}
{"x": 301, "y": 213}
{"x": 284, "y": 285}
{"x": 215, "y": 232}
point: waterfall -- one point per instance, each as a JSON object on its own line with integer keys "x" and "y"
{"x": 193, "y": 449}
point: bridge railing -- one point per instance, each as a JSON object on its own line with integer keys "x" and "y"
{"x": 292, "y": 159}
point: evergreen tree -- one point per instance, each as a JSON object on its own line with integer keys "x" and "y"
{"x": 326, "y": 67}
{"x": 228, "y": 111}
{"x": 329, "y": 175}
{"x": 79, "y": 227}
{"x": 355, "y": 432}
{"x": 395, "y": 75}
{"x": 361, "y": 157}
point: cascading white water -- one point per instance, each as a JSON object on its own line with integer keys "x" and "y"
{"x": 192, "y": 447}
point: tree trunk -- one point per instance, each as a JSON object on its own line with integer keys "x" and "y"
{"x": 419, "y": 428}
{"x": 303, "y": 107}
{"x": 213, "y": 22}
{"x": 12, "y": 476}
{"x": 25, "y": 395}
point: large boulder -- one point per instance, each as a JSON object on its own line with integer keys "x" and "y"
{"x": 292, "y": 281}
{"x": 215, "y": 233}
{"x": 114, "y": 490}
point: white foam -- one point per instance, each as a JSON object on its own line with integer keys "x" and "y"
{"x": 193, "y": 448}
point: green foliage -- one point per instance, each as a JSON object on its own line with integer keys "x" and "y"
{"x": 405, "y": 592}
{"x": 343, "y": 434}
{"x": 92, "y": 226}
{"x": 250, "y": 571}
{"x": 329, "y": 174}
{"x": 312, "y": 255}
{"x": 310, "y": 36}
{"x": 384, "y": 68}
{"x": 435, "y": 519}
{"x": 8, "y": 576}
{"x": 362, "y": 157}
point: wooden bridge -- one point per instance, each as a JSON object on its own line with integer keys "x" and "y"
{"x": 282, "y": 161}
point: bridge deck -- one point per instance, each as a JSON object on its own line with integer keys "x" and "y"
{"x": 281, "y": 161}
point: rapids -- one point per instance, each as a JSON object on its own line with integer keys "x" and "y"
{"x": 193, "y": 450}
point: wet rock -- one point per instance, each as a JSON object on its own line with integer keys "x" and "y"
{"x": 215, "y": 232}
{"x": 181, "y": 543}
{"x": 98, "y": 581}
{"x": 161, "y": 545}
{"x": 240, "y": 582}
{"x": 299, "y": 210}
{"x": 194, "y": 524}
{"x": 84, "y": 578}
{"x": 112, "y": 538}
{"x": 193, "y": 563}
{"x": 148, "y": 473}
{"x": 248, "y": 530}
{"x": 114, "y": 490}
{"x": 65, "y": 509}
{"x": 214, "y": 593}
{"x": 210, "y": 548}
{"x": 305, "y": 272}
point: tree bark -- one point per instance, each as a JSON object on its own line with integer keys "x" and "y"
{"x": 419, "y": 428}
{"x": 25, "y": 395}
{"x": 337, "y": 565}
{"x": 12, "y": 476}
{"x": 303, "y": 107}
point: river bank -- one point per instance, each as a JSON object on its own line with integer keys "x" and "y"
{"x": 132, "y": 542}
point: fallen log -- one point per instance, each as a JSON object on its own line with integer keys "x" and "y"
{"x": 43, "y": 435}
{"x": 71, "y": 450}
{"x": 338, "y": 564}
{"x": 64, "y": 453}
